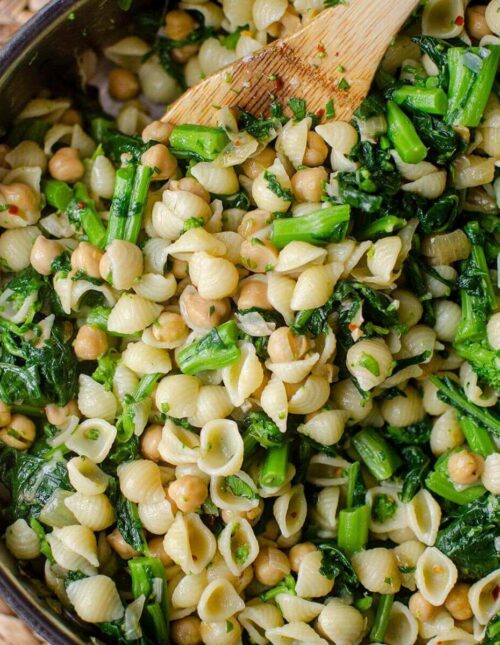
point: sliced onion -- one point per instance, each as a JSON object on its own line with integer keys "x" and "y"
{"x": 446, "y": 248}
{"x": 131, "y": 627}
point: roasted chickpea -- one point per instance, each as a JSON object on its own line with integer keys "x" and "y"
{"x": 19, "y": 433}
{"x": 90, "y": 343}
{"x": 316, "y": 150}
{"x": 161, "y": 160}
{"x": 20, "y": 196}
{"x": 186, "y": 631}
{"x": 258, "y": 255}
{"x": 188, "y": 492}
{"x": 252, "y": 516}
{"x": 57, "y": 415}
{"x": 71, "y": 117}
{"x": 170, "y": 328}
{"x": 255, "y": 165}
{"x": 123, "y": 84}
{"x": 254, "y": 221}
{"x": 5, "y": 415}
{"x": 205, "y": 313}
{"x": 284, "y": 346}
{"x": 298, "y": 552}
{"x": 465, "y": 467}
{"x": 118, "y": 544}
{"x": 190, "y": 185}
{"x": 253, "y": 293}
{"x": 179, "y": 24}
{"x": 421, "y": 608}
{"x": 86, "y": 257}
{"x": 307, "y": 184}
{"x": 476, "y": 24}
{"x": 183, "y": 54}
{"x": 271, "y": 566}
{"x": 157, "y": 550}
{"x": 457, "y": 602}
{"x": 180, "y": 269}
{"x": 43, "y": 253}
{"x": 157, "y": 131}
{"x": 66, "y": 165}
{"x": 150, "y": 440}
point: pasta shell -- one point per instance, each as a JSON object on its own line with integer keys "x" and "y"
{"x": 258, "y": 618}
{"x": 190, "y": 543}
{"x": 155, "y": 287}
{"x": 293, "y": 371}
{"x": 188, "y": 590}
{"x": 483, "y": 597}
{"x": 95, "y": 599}
{"x": 86, "y": 477}
{"x": 222, "y": 496}
{"x": 325, "y": 427}
{"x": 339, "y": 135}
{"x": 296, "y": 632}
{"x": 178, "y": 445}
{"x": 219, "y": 601}
{"x": 424, "y": 517}
{"x": 176, "y": 395}
{"x": 22, "y": 541}
{"x": 439, "y": 18}
{"x": 311, "y": 396}
{"x": 244, "y": 376}
{"x": 79, "y": 539}
{"x": 436, "y": 576}
{"x": 290, "y": 510}
{"x": 92, "y": 511}
{"x": 402, "y": 628}
{"x": 342, "y": 623}
{"x": 144, "y": 359}
{"x": 295, "y": 608}
{"x": 221, "y": 448}
{"x": 15, "y": 247}
{"x": 377, "y": 570}
{"x": 296, "y": 256}
{"x": 310, "y": 582}
{"x": 292, "y": 141}
{"x": 213, "y": 403}
{"x": 194, "y": 241}
{"x": 215, "y": 278}
{"x": 156, "y": 517}
{"x": 274, "y": 402}
{"x": 140, "y": 481}
{"x": 265, "y": 13}
{"x": 132, "y": 314}
{"x": 238, "y": 545}
{"x": 407, "y": 555}
{"x": 94, "y": 401}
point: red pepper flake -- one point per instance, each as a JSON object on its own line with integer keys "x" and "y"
{"x": 279, "y": 83}
{"x": 321, "y": 48}
{"x": 496, "y": 592}
{"x": 352, "y": 327}
{"x": 81, "y": 205}
{"x": 13, "y": 210}
{"x": 459, "y": 21}
{"x": 320, "y": 113}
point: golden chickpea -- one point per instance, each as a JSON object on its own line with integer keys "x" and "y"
{"x": 255, "y": 165}
{"x": 19, "y": 433}
{"x": 316, "y": 150}
{"x": 206, "y": 313}
{"x": 307, "y": 184}
{"x": 90, "y": 343}
{"x": 157, "y": 550}
{"x": 57, "y": 415}
{"x": 284, "y": 346}
{"x": 465, "y": 467}
{"x": 476, "y": 24}
{"x": 457, "y": 602}
{"x": 71, "y": 117}
{"x": 180, "y": 269}
{"x": 123, "y": 84}
{"x": 271, "y": 566}
{"x": 183, "y": 54}
{"x": 258, "y": 255}
{"x": 66, "y": 165}
{"x": 190, "y": 185}
{"x": 43, "y": 253}
{"x": 170, "y": 328}
{"x": 188, "y": 492}
{"x": 157, "y": 131}
{"x": 254, "y": 294}
{"x": 421, "y": 608}
{"x": 5, "y": 415}
{"x": 254, "y": 221}
{"x": 150, "y": 440}
{"x": 179, "y": 24}
{"x": 186, "y": 631}
{"x": 118, "y": 544}
{"x": 271, "y": 531}
{"x": 86, "y": 257}
{"x": 20, "y": 197}
{"x": 161, "y": 159}
{"x": 298, "y": 552}
{"x": 252, "y": 516}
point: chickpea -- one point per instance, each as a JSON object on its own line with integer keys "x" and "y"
{"x": 421, "y": 608}
{"x": 190, "y": 185}
{"x": 298, "y": 552}
{"x": 90, "y": 343}
{"x": 66, "y": 165}
{"x": 157, "y": 131}
{"x": 170, "y": 328}
{"x": 258, "y": 255}
{"x": 307, "y": 184}
{"x": 254, "y": 294}
{"x": 271, "y": 566}
{"x": 186, "y": 631}
{"x": 188, "y": 492}
{"x": 206, "y": 313}
{"x": 476, "y": 24}
{"x": 252, "y": 516}
{"x": 284, "y": 347}
{"x": 43, "y": 253}
{"x": 457, "y": 602}
{"x": 118, "y": 544}
{"x": 180, "y": 269}
{"x": 161, "y": 159}
{"x": 71, "y": 117}
{"x": 316, "y": 150}
{"x": 19, "y": 433}
{"x": 179, "y": 24}
{"x": 20, "y": 196}
{"x": 58, "y": 415}
{"x": 86, "y": 257}
{"x": 123, "y": 84}
{"x": 183, "y": 54}
{"x": 150, "y": 440}
{"x": 271, "y": 531}
{"x": 254, "y": 221}
{"x": 157, "y": 550}
{"x": 255, "y": 165}
{"x": 5, "y": 415}
{"x": 465, "y": 467}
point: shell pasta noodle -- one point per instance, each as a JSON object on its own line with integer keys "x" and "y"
{"x": 250, "y": 372}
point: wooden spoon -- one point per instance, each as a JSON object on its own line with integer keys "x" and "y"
{"x": 342, "y": 48}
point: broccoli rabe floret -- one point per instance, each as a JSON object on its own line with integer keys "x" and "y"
{"x": 215, "y": 350}
{"x": 260, "y": 429}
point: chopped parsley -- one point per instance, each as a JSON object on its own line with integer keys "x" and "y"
{"x": 275, "y": 187}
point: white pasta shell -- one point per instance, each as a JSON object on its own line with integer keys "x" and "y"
{"x": 157, "y": 85}
{"x": 188, "y": 590}
{"x": 265, "y": 13}
{"x": 431, "y": 186}
{"x": 223, "y": 498}
{"x": 292, "y": 140}
{"x": 81, "y": 540}
{"x": 413, "y": 171}
{"x": 370, "y": 362}
{"x": 67, "y": 558}
{"x": 424, "y": 517}
{"x": 176, "y": 395}
{"x": 382, "y": 257}
{"x": 156, "y": 287}
{"x": 140, "y": 481}
{"x": 213, "y": 402}
{"x": 325, "y": 427}
{"x": 244, "y": 376}
{"x": 407, "y": 555}
{"x": 216, "y": 179}
{"x": 315, "y": 285}
{"x": 402, "y": 628}
{"x": 290, "y": 510}
{"x": 293, "y": 371}
{"x": 144, "y": 359}
{"x": 214, "y": 56}
{"x": 102, "y": 177}
{"x": 22, "y": 541}
{"x": 95, "y": 599}
{"x": 156, "y": 517}
{"x": 294, "y": 608}
{"x": 219, "y": 601}
{"x": 264, "y": 197}
{"x": 86, "y": 477}
{"x": 327, "y": 471}
{"x": 132, "y": 314}
{"x": 340, "y": 135}
{"x": 259, "y": 617}
{"x": 94, "y": 400}
{"x": 127, "y": 52}
{"x": 455, "y": 636}
{"x": 178, "y": 445}
{"x": 491, "y": 473}
{"x": 399, "y": 520}
{"x": 221, "y": 448}
{"x": 92, "y": 511}
{"x": 446, "y": 433}
{"x": 310, "y": 582}
{"x": 436, "y": 576}
{"x": 326, "y": 507}
{"x": 403, "y": 410}
{"x": 215, "y": 278}
{"x": 155, "y": 253}
{"x": 311, "y": 396}
{"x": 274, "y": 402}
{"x": 341, "y": 623}
{"x": 190, "y": 543}
{"x": 377, "y": 570}
{"x": 194, "y": 241}
{"x": 296, "y": 632}
{"x": 439, "y": 18}
{"x": 296, "y": 256}
{"x": 483, "y": 597}
{"x": 124, "y": 381}
{"x": 280, "y": 290}
{"x": 92, "y": 439}
{"x": 15, "y": 247}
{"x": 238, "y": 545}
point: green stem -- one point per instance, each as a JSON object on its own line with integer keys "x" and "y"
{"x": 440, "y": 484}
{"x": 138, "y": 202}
{"x": 477, "y": 437}
{"x": 120, "y": 203}
{"x": 275, "y": 467}
{"x": 403, "y": 135}
{"x": 215, "y": 350}
{"x": 380, "y": 458}
{"x": 355, "y": 487}
{"x": 380, "y": 227}
{"x": 352, "y": 533}
{"x": 382, "y": 618}
{"x": 320, "y": 227}
{"x": 57, "y": 193}
{"x": 198, "y": 141}
{"x": 85, "y": 212}
{"x": 430, "y": 100}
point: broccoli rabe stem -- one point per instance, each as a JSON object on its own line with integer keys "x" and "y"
{"x": 198, "y": 141}
{"x": 57, "y": 193}
{"x": 287, "y": 585}
{"x": 320, "y": 227}
{"x": 275, "y": 467}
{"x": 380, "y": 458}
{"x": 260, "y": 430}
{"x": 382, "y": 618}
{"x": 137, "y": 203}
{"x": 439, "y": 482}
{"x": 430, "y": 100}
{"x": 120, "y": 203}
{"x": 144, "y": 571}
{"x": 215, "y": 350}
{"x": 403, "y": 135}
{"x": 352, "y": 533}
{"x": 477, "y": 437}
{"x": 380, "y": 227}
{"x": 84, "y": 211}
{"x": 355, "y": 487}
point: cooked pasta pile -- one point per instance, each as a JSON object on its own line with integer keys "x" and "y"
{"x": 249, "y": 373}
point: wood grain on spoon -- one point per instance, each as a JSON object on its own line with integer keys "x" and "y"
{"x": 345, "y": 44}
